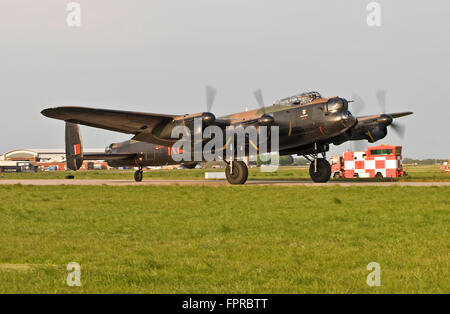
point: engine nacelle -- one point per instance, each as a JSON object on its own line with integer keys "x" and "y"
{"x": 376, "y": 133}
{"x": 266, "y": 120}
{"x": 187, "y": 123}
{"x": 369, "y": 133}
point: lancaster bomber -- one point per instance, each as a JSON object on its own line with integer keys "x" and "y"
{"x": 308, "y": 123}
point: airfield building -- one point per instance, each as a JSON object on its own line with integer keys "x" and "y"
{"x": 44, "y": 159}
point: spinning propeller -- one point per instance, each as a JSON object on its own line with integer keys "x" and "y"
{"x": 211, "y": 93}
{"x": 359, "y": 102}
{"x": 385, "y": 118}
{"x": 259, "y": 99}
{"x": 397, "y": 127}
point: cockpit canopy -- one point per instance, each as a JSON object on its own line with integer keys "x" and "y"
{"x": 300, "y": 99}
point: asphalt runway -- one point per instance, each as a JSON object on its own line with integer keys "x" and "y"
{"x": 212, "y": 183}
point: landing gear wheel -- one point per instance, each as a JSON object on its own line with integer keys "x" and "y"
{"x": 379, "y": 175}
{"x": 239, "y": 174}
{"x": 139, "y": 175}
{"x": 337, "y": 175}
{"x": 323, "y": 171}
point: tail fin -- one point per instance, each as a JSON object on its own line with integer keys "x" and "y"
{"x": 74, "y": 147}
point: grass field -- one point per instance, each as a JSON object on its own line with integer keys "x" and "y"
{"x": 228, "y": 239}
{"x": 416, "y": 173}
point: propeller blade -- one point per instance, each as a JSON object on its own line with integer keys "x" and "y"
{"x": 360, "y": 104}
{"x": 210, "y": 96}
{"x": 381, "y": 95}
{"x": 399, "y": 129}
{"x": 259, "y": 98}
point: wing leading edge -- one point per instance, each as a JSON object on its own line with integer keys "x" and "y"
{"x": 128, "y": 122}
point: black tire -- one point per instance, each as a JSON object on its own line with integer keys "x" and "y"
{"x": 240, "y": 173}
{"x": 323, "y": 173}
{"x": 139, "y": 176}
{"x": 337, "y": 175}
{"x": 379, "y": 175}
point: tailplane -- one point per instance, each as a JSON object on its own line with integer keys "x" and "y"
{"x": 74, "y": 147}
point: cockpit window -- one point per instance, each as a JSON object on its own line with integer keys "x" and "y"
{"x": 302, "y": 99}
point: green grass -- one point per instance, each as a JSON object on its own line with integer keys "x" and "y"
{"x": 228, "y": 239}
{"x": 426, "y": 173}
{"x": 110, "y": 174}
{"x": 416, "y": 173}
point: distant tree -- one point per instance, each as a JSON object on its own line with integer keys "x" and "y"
{"x": 410, "y": 161}
{"x": 301, "y": 161}
{"x": 286, "y": 160}
{"x": 423, "y": 161}
{"x": 259, "y": 162}
{"x": 283, "y": 161}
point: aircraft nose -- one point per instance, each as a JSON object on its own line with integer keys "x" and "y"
{"x": 348, "y": 119}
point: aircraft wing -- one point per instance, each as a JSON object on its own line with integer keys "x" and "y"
{"x": 140, "y": 124}
{"x": 374, "y": 118}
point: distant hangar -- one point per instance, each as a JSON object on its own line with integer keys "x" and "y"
{"x": 42, "y": 160}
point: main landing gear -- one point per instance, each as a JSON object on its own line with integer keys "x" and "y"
{"x": 319, "y": 169}
{"x": 139, "y": 175}
{"x": 236, "y": 172}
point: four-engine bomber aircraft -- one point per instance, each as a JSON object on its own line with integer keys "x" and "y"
{"x": 308, "y": 123}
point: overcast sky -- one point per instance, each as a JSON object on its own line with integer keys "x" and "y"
{"x": 157, "y": 56}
